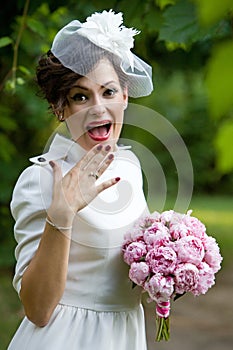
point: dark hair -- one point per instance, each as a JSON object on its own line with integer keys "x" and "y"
{"x": 55, "y": 80}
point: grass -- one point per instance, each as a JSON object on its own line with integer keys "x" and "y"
{"x": 215, "y": 212}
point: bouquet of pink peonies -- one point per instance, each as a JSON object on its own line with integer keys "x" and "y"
{"x": 170, "y": 254}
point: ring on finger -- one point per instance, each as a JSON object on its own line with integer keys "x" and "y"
{"x": 95, "y": 175}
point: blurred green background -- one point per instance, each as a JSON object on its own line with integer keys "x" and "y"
{"x": 188, "y": 43}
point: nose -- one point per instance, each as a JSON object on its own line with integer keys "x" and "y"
{"x": 98, "y": 108}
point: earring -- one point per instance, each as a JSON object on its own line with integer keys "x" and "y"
{"x": 61, "y": 118}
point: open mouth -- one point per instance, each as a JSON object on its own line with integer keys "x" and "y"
{"x": 99, "y": 132}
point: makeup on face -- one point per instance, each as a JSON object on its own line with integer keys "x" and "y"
{"x": 96, "y": 107}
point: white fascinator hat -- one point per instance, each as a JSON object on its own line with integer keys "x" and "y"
{"x": 79, "y": 46}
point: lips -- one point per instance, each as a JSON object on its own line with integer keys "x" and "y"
{"x": 99, "y": 131}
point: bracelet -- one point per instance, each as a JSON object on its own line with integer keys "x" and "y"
{"x": 57, "y": 227}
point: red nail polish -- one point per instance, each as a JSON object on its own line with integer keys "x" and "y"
{"x": 117, "y": 179}
{"x": 99, "y": 147}
{"x": 107, "y": 148}
{"x": 110, "y": 156}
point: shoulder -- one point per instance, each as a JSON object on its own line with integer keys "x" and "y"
{"x": 32, "y": 175}
{"x": 32, "y": 189}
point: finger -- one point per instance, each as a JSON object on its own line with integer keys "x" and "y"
{"x": 57, "y": 173}
{"x": 95, "y": 156}
{"x": 106, "y": 184}
{"x": 104, "y": 164}
{"x": 87, "y": 159}
{"x": 99, "y": 170}
{"x": 100, "y": 162}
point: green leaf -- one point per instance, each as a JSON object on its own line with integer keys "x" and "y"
{"x": 223, "y": 145}
{"x": 44, "y": 10}
{"x": 24, "y": 70}
{"x": 219, "y": 80}
{"x": 210, "y": 11}
{"x": 36, "y": 26}
{"x": 180, "y": 23}
{"x": 171, "y": 46}
{"x": 163, "y": 3}
{"x": 153, "y": 20}
{"x": 5, "y": 41}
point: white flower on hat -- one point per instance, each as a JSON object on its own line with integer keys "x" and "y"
{"x": 106, "y": 31}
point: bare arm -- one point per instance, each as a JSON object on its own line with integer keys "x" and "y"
{"x": 44, "y": 280}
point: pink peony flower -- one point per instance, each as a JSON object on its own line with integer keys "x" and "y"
{"x": 135, "y": 235}
{"x": 157, "y": 234}
{"x": 160, "y": 288}
{"x": 134, "y": 252}
{"x": 196, "y": 227}
{"x": 178, "y": 227}
{"x": 166, "y": 216}
{"x": 170, "y": 254}
{"x": 127, "y": 239}
{"x": 206, "y": 279}
{"x": 162, "y": 259}
{"x": 212, "y": 253}
{"x": 138, "y": 272}
{"x": 186, "y": 278}
{"x": 148, "y": 221}
{"x": 190, "y": 249}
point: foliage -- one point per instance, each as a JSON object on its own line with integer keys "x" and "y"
{"x": 188, "y": 42}
{"x": 11, "y": 309}
{"x": 223, "y": 142}
{"x": 219, "y": 81}
{"x": 220, "y": 68}
{"x": 210, "y": 11}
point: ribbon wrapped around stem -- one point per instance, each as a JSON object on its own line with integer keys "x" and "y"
{"x": 162, "y": 320}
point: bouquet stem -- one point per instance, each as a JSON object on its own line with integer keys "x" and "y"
{"x": 163, "y": 328}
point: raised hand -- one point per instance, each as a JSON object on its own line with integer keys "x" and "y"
{"x": 78, "y": 187}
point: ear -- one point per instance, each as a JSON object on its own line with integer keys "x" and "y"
{"x": 125, "y": 97}
{"x": 57, "y": 113}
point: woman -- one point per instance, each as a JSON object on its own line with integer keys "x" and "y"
{"x": 73, "y": 206}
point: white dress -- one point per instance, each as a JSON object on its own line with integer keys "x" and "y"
{"x": 99, "y": 309}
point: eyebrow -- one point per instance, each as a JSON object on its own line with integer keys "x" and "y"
{"x": 102, "y": 86}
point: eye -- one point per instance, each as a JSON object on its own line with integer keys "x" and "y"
{"x": 78, "y": 97}
{"x": 110, "y": 92}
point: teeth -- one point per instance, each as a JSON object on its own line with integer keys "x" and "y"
{"x": 89, "y": 127}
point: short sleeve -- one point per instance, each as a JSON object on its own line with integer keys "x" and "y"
{"x": 30, "y": 201}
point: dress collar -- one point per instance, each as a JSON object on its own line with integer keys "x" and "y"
{"x": 60, "y": 148}
{"x": 63, "y": 148}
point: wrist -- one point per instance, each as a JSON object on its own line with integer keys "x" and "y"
{"x": 59, "y": 228}
{"x": 60, "y": 219}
